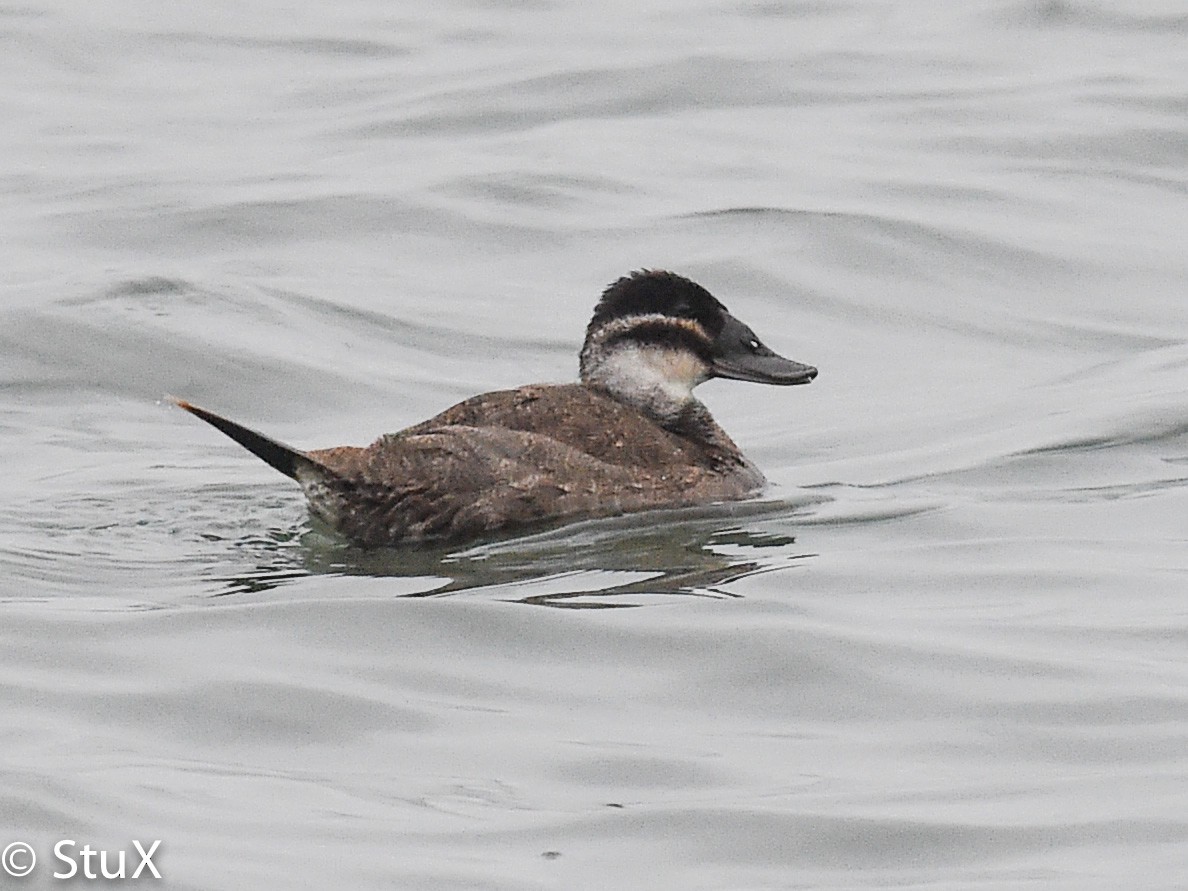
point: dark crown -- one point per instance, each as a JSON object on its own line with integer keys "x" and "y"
{"x": 654, "y": 291}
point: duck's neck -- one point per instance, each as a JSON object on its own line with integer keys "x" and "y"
{"x": 649, "y": 361}
{"x": 656, "y": 381}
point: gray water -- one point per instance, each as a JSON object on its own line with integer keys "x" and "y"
{"x": 946, "y": 648}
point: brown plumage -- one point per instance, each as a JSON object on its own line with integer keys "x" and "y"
{"x": 520, "y": 457}
{"x": 630, "y": 436}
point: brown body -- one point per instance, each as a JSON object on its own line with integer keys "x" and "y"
{"x": 518, "y": 457}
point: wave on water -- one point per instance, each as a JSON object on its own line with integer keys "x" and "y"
{"x": 1095, "y": 15}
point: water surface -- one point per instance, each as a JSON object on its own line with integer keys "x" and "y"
{"x": 945, "y": 649}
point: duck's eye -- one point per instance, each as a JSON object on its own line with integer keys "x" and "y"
{"x": 754, "y": 345}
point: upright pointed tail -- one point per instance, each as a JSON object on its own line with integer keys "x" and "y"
{"x": 286, "y": 459}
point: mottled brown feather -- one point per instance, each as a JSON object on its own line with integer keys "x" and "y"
{"x": 514, "y": 458}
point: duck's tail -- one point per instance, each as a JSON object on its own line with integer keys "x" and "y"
{"x": 286, "y": 459}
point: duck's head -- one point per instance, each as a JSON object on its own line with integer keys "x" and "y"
{"x": 656, "y": 335}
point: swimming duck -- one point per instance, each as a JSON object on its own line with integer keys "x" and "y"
{"x": 630, "y": 436}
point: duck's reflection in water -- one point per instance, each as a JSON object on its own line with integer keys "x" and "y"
{"x": 625, "y": 561}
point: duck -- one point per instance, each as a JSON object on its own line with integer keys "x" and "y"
{"x": 628, "y": 436}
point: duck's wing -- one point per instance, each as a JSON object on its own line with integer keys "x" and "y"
{"x": 581, "y": 417}
{"x": 462, "y": 482}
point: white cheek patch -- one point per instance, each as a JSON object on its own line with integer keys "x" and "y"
{"x": 681, "y": 368}
{"x": 643, "y": 370}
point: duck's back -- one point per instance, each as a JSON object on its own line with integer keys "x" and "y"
{"x": 517, "y": 457}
